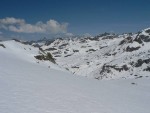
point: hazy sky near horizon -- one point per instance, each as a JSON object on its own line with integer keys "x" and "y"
{"x": 39, "y": 18}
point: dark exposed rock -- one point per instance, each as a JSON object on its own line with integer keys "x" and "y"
{"x": 140, "y": 62}
{"x": 2, "y": 45}
{"x": 68, "y": 55}
{"x": 48, "y": 42}
{"x": 48, "y": 56}
{"x": 65, "y": 52}
{"x": 138, "y": 77}
{"x": 37, "y": 45}
{"x": 58, "y": 52}
{"x": 50, "y": 49}
{"x": 107, "y": 54}
{"x": 126, "y": 40}
{"x": 57, "y": 56}
{"x": 107, "y": 68}
{"x": 25, "y": 42}
{"x": 83, "y": 41}
{"x": 83, "y": 46}
{"x": 62, "y": 46}
{"x": 60, "y": 38}
{"x": 148, "y": 31}
{"x": 108, "y": 37}
{"x": 41, "y": 50}
{"x": 28, "y": 42}
{"x": 40, "y": 57}
{"x": 145, "y": 38}
{"x": 91, "y": 50}
{"x": 122, "y": 42}
{"x": 114, "y": 53}
{"x": 75, "y": 50}
{"x": 130, "y": 49}
{"x": 75, "y": 67}
{"x": 93, "y": 39}
{"x": 16, "y": 40}
{"x": 103, "y": 47}
{"x": 138, "y": 39}
{"x": 133, "y": 83}
{"x": 147, "y": 69}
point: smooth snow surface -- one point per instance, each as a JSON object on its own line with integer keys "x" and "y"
{"x": 30, "y": 87}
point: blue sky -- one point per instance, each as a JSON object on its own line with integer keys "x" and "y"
{"x": 72, "y": 17}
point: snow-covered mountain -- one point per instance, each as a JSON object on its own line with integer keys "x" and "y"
{"x": 106, "y": 56}
{"x": 29, "y": 85}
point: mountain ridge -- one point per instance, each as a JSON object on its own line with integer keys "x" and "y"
{"x": 105, "y": 56}
{"x": 97, "y": 55}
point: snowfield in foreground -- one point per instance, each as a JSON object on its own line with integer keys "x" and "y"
{"x": 30, "y": 87}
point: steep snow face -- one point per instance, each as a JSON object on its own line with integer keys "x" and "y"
{"x": 30, "y": 87}
{"x": 106, "y": 56}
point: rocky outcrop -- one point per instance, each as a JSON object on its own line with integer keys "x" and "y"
{"x": 2, "y": 45}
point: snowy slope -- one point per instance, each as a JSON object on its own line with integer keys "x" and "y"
{"x": 106, "y": 56}
{"x": 30, "y": 87}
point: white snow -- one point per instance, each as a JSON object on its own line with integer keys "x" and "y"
{"x": 30, "y": 87}
{"x": 87, "y": 57}
{"x": 134, "y": 44}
